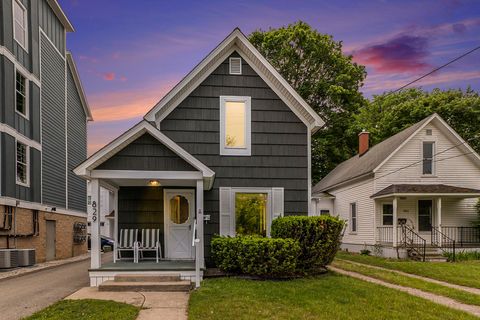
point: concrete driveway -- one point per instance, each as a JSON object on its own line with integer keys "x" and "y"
{"x": 24, "y": 295}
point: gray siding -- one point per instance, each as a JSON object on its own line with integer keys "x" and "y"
{"x": 9, "y": 186}
{"x": 146, "y": 153}
{"x": 76, "y": 146}
{"x": 53, "y": 126}
{"x": 50, "y": 24}
{"x": 279, "y": 141}
{"x": 141, "y": 207}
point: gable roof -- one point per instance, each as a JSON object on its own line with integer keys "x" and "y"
{"x": 362, "y": 166}
{"x": 79, "y": 86}
{"x": 84, "y": 169}
{"x": 236, "y": 41}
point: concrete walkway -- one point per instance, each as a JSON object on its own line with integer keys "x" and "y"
{"x": 475, "y": 310}
{"x": 155, "y": 305}
{"x": 443, "y": 283}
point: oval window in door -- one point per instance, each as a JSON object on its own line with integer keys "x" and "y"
{"x": 179, "y": 210}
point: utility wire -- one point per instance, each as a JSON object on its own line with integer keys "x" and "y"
{"x": 435, "y": 70}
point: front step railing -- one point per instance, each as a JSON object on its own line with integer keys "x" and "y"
{"x": 415, "y": 245}
{"x": 444, "y": 243}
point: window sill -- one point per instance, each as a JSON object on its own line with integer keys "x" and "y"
{"x": 27, "y": 185}
{"x": 22, "y": 115}
{"x": 429, "y": 176}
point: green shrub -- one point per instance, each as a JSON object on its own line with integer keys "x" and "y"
{"x": 463, "y": 256}
{"x": 319, "y": 238}
{"x": 253, "y": 255}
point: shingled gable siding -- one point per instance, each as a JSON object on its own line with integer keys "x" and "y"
{"x": 53, "y": 126}
{"x": 146, "y": 153}
{"x": 279, "y": 141}
{"x": 76, "y": 146}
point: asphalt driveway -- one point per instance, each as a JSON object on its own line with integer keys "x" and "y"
{"x": 24, "y": 295}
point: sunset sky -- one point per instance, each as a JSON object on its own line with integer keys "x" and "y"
{"x": 130, "y": 53}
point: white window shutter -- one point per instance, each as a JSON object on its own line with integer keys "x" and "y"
{"x": 277, "y": 203}
{"x": 226, "y": 212}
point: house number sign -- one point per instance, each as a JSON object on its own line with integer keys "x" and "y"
{"x": 94, "y": 212}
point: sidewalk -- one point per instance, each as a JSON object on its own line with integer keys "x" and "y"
{"x": 154, "y": 305}
{"x": 41, "y": 266}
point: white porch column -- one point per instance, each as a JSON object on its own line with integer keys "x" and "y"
{"x": 439, "y": 217}
{"x": 94, "y": 218}
{"x": 115, "y": 224}
{"x": 395, "y": 222}
{"x": 199, "y": 248}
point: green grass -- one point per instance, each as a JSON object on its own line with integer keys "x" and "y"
{"x": 395, "y": 278}
{"x": 466, "y": 273}
{"x": 87, "y": 310}
{"x": 330, "y": 296}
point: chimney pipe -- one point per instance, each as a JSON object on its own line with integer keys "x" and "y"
{"x": 363, "y": 142}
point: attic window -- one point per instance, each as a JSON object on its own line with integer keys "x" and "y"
{"x": 429, "y": 132}
{"x": 235, "y": 65}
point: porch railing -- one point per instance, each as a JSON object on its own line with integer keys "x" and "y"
{"x": 415, "y": 245}
{"x": 463, "y": 236}
{"x": 444, "y": 242}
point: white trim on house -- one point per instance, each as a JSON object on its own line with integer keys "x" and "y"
{"x": 24, "y": 26}
{"x": 236, "y": 151}
{"x": 5, "y": 128}
{"x": 145, "y": 174}
{"x": 236, "y": 41}
{"x": 61, "y": 15}
{"x": 53, "y": 44}
{"x": 79, "y": 86}
{"x": 85, "y": 168}
{"x": 26, "y": 164}
{"x": 41, "y": 207}
{"x": 25, "y": 115}
{"x": 453, "y": 195}
{"x": 30, "y": 76}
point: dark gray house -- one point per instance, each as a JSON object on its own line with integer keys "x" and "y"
{"x": 226, "y": 151}
{"x": 43, "y": 131}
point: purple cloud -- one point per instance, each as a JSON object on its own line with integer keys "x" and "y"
{"x": 459, "y": 28}
{"x": 403, "y": 53}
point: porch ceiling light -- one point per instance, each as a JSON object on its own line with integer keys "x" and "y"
{"x": 154, "y": 183}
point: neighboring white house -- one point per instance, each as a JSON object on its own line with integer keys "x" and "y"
{"x": 416, "y": 189}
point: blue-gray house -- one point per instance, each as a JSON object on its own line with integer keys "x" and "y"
{"x": 226, "y": 151}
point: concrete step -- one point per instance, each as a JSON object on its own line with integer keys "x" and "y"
{"x": 435, "y": 259}
{"x": 167, "y": 286}
{"x": 147, "y": 278}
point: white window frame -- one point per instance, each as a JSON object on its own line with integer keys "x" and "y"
{"x": 351, "y": 217}
{"x": 382, "y": 204}
{"x": 228, "y": 151}
{"x": 25, "y": 26}
{"x": 230, "y": 65}
{"x": 267, "y": 191}
{"x": 27, "y": 95}
{"x": 27, "y": 164}
{"x": 434, "y": 147}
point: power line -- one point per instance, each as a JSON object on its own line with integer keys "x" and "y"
{"x": 435, "y": 70}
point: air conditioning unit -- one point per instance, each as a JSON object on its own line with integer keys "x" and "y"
{"x": 25, "y": 257}
{"x": 8, "y": 258}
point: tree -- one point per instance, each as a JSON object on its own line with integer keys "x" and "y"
{"x": 329, "y": 81}
{"x": 389, "y": 113}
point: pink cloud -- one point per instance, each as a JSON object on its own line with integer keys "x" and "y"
{"x": 403, "y": 53}
{"x": 108, "y": 76}
{"x": 123, "y": 78}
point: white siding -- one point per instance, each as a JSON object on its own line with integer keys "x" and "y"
{"x": 322, "y": 204}
{"x": 458, "y": 212}
{"x": 360, "y": 193}
{"x": 457, "y": 171}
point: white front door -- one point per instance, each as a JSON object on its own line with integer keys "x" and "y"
{"x": 179, "y": 208}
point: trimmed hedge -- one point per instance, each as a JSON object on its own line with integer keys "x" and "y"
{"x": 319, "y": 238}
{"x": 253, "y": 255}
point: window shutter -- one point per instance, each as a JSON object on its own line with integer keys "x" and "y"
{"x": 235, "y": 65}
{"x": 226, "y": 212}
{"x": 277, "y": 203}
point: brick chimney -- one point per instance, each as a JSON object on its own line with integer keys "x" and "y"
{"x": 363, "y": 138}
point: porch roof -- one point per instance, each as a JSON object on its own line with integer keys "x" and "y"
{"x": 426, "y": 189}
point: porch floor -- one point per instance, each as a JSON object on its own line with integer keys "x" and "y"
{"x": 162, "y": 265}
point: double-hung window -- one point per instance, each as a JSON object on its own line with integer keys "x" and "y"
{"x": 21, "y": 94}
{"x": 20, "y": 24}
{"x": 353, "y": 217}
{"x": 235, "y": 126}
{"x": 22, "y": 170}
{"x": 428, "y": 157}
{"x": 387, "y": 214}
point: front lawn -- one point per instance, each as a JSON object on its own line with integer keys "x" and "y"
{"x": 330, "y": 296}
{"x": 465, "y": 273}
{"x": 87, "y": 309}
